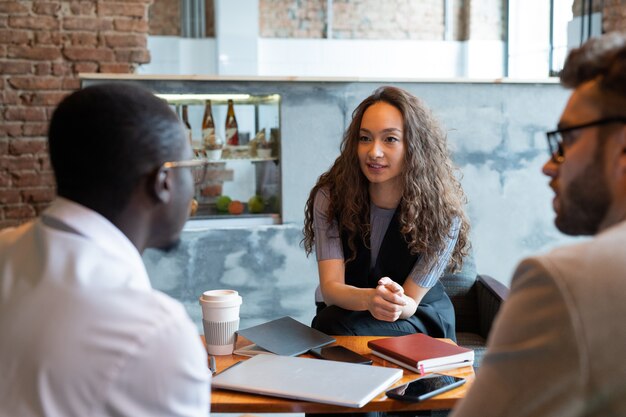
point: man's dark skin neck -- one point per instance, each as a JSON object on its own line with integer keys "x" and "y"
{"x": 135, "y": 220}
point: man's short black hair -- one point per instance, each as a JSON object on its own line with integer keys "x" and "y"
{"x": 103, "y": 138}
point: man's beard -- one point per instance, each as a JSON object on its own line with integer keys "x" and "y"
{"x": 585, "y": 202}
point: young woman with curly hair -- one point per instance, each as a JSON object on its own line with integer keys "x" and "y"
{"x": 386, "y": 220}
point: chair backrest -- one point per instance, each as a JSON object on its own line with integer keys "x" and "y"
{"x": 460, "y": 288}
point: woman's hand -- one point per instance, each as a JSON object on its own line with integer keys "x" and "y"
{"x": 387, "y": 301}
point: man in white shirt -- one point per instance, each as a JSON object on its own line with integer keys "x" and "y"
{"x": 558, "y": 343}
{"x": 82, "y": 333}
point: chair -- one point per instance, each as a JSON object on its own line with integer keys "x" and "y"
{"x": 476, "y": 300}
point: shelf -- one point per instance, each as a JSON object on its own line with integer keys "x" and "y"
{"x": 219, "y": 99}
{"x": 230, "y": 221}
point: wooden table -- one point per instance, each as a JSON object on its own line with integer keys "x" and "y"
{"x": 223, "y": 401}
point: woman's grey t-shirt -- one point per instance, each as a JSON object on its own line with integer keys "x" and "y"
{"x": 425, "y": 273}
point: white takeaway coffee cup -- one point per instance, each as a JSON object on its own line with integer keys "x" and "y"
{"x": 220, "y": 319}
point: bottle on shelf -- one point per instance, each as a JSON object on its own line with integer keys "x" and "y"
{"x": 186, "y": 123}
{"x": 232, "y": 135}
{"x": 208, "y": 127}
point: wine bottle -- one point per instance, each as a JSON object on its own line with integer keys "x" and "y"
{"x": 186, "y": 123}
{"x": 232, "y": 134}
{"x": 208, "y": 128}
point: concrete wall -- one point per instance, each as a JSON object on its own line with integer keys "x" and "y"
{"x": 495, "y": 131}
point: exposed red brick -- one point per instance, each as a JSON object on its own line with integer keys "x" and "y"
{"x": 139, "y": 56}
{"x": 47, "y": 98}
{"x": 19, "y": 162}
{"x": 10, "y": 196}
{"x": 83, "y": 7}
{"x": 86, "y": 23}
{"x": 125, "y": 40}
{"x": 122, "y": 9}
{"x": 48, "y": 38}
{"x": 43, "y": 68}
{"x": 88, "y": 54}
{"x": 35, "y": 129}
{"x": 24, "y": 178}
{"x": 16, "y": 37}
{"x": 164, "y": 18}
{"x": 4, "y": 180}
{"x": 84, "y": 39}
{"x": 15, "y": 67}
{"x": 71, "y": 83}
{"x": 47, "y": 8}
{"x": 19, "y": 212}
{"x": 35, "y": 83}
{"x": 41, "y": 53}
{"x": 12, "y": 7}
{"x": 38, "y": 66}
{"x": 44, "y": 162}
{"x": 38, "y": 195}
{"x": 61, "y": 68}
{"x": 25, "y": 113}
{"x": 10, "y": 97}
{"x": 10, "y": 129}
{"x": 49, "y": 112}
{"x": 34, "y": 23}
{"x": 131, "y": 25}
{"x": 116, "y": 68}
{"x": 22, "y": 146}
{"x": 81, "y": 67}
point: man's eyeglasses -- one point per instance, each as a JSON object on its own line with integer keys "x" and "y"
{"x": 558, "y": 139}
{"x": 199, "y": 168}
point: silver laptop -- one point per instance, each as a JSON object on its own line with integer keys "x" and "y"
{"x": 315, "y": 380}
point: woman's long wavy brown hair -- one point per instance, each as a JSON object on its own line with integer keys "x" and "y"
{"x": 432, "y": 196}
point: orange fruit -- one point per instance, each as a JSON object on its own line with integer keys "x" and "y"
{"x": 235, "y": 207}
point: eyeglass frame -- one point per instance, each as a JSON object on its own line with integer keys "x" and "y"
{"x": 188, "y": 163}
{"x": 555, "y": 146}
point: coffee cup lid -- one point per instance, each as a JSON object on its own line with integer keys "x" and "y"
{"x": 224, "y": 298}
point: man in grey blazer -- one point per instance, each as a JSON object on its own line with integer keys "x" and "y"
{"x": 558, "y": 345}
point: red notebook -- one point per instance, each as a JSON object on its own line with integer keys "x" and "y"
{"x": 421, "y": 353}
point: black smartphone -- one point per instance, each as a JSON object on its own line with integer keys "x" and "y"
{"x": 425, "y": 387}
{"x": 339, "y": 353}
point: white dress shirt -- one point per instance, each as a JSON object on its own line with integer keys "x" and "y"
{"x": 82, "y": 333}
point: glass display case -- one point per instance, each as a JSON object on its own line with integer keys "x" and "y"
{"x": 242, "y": 179}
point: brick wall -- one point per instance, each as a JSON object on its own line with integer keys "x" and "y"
{"x": 165, "y": 18}
{"x": 43, "y": 46}
{"x": 391, "y": 19}
{"x": 375, "y": 19}
{"x": 292, "y": 18}
{"x": 614, "y": 15}
{"x": 577, "y": 6}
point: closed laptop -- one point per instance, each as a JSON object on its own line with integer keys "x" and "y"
{"x": 315, "y": 380}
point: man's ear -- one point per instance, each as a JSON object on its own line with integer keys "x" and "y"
{"x": 160, "y": 185}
